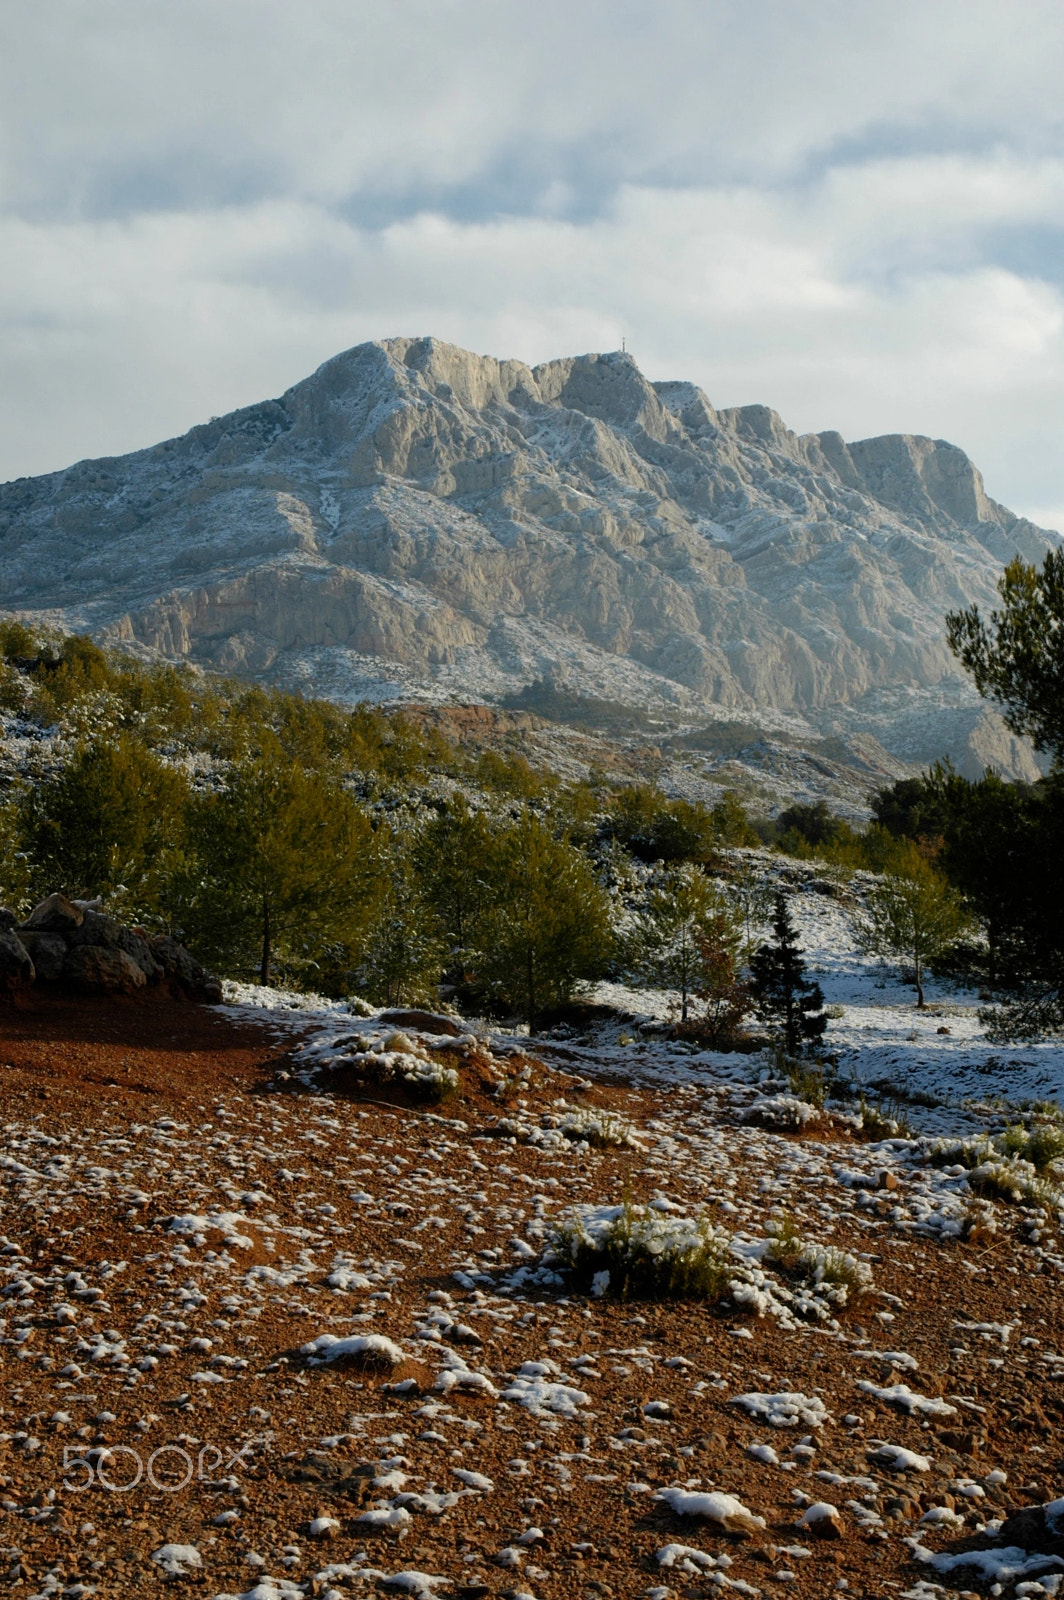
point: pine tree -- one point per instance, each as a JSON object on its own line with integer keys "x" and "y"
{"x": 547, "y": 925}
{"x": 111, "y": 823}
{"x": 287, "y": 864}
{"x": 403, "y": 956}
{"x": 784, "y": 997}
{"x": 670, "y": 938}
{"x": 913, "y": 916}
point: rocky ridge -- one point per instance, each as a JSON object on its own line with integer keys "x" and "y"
{"x": 417, "y": 521}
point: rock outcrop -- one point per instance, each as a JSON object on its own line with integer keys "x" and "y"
{"x": 67, "y": 944}
{"x": 414, "y": 519}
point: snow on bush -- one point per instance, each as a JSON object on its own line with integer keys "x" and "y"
{"x": 724, "y": 1510}
{"x": 602, "y": 1129}
{"x": 646, "y": 1254}
{"x": 385, "y": 1056}
{"x": 1014, "y": 1166}
{"x": 557, "y": 1130}
{"x": 781, "y": 1111}
{"x": 370, "y": 1347}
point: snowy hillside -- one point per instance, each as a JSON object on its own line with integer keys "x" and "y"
{"x": 416, "y": 521}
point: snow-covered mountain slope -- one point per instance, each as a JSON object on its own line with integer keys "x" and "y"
{"x": 415, "y": 520}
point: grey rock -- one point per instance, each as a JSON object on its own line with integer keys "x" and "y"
{"x": 183, "y": 969}
{"x": 95, "y": 969}
{"x": 419, "y": 521}
{"x": 104, "y": 932}
{"x": 56, "y": 914}
{"x": 8, "y": 920}
{"x": 48, "y": 951}
{"x": 16, "y": 967}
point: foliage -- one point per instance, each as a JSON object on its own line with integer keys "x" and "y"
{"x": 630, "y": 1252}
{"x": 287, "y": 864}
{"x": 815, "y": 825}
{"x": 1017, "y": 658}
{"x": 784, "y": 998}
{"x": 452, "y": 857}
{"x": 882, "y": 1122}
{"x": 654, "y": 828}
{"x": 723, "y": 997}
{"x": 731, "y": 824}
{"x": 403, "y": 953}
{"x": 684, "y": 929}
{"x": 1042, "y": 1145}
{"x": 109, "y": 823}
{"x": 545, "y": 924}
{"x": 912, "y": 917}
{"x": 511, "y": 775}
{"x": 752, "y": 897}
{"x": 16, "y": 867}
{"x": 913, "y": 808}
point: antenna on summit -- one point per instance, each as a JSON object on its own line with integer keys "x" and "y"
{"x": 624, "y": 345}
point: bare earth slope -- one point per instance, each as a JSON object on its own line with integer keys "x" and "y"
{"x": 414, "y": 516}
{"x": 180, "y": 1223}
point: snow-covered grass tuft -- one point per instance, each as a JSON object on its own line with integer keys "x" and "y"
{"x": 372, "y": 1348}
{"x": 839, "y": 1274}
{"x": 782, "y": 1111}
{"x": 631, "y": 1251}
{"x": 1002, "y": 1168}
{"x": 601, "y": 1129}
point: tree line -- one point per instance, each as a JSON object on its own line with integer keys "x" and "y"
{"x": 292, "y": 840}
{"x": 288, "y": 840}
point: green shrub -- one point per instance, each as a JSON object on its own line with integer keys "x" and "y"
{"x": 632, "y": 1253}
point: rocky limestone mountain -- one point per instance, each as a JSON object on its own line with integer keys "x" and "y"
{"x": 416, "y": 521}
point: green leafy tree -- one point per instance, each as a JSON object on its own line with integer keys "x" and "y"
{"x": 1017, "y": 658}
{"x": 452, "y": 859}
{"x": 404, "y": 952}
{"x": 111, "y": 822}
{"x": 16, "y": 869}
{"x": 288, "y": 864}
{"x": 656, "y": 829}
{"x": 723, "y": 997}
{"x": 784, "y": 997}
{"x": 546, "y": 926}
{"x": 670, "y": 937}
{"x": 913, "y": 917}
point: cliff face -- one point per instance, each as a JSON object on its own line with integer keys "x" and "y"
{"x": 416, "y": 517}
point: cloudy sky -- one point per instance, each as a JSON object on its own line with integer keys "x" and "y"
{"x": 853, "y": 212}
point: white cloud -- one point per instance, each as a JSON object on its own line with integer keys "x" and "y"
{"x": 850, "y": 213}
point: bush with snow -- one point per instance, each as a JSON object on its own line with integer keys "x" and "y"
{"x": 1016, "y": 1166}
{"x": 389, "y": 1057}
{"x": 372, "y": 1348}
{"x": 782, "y": 1111}
{"x": 645, "y": 1253}
{"x": 835, "y": 1273}
{"x": 602, "y": 1129}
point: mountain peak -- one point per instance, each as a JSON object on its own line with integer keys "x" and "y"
{"x": 414, "y": 518}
